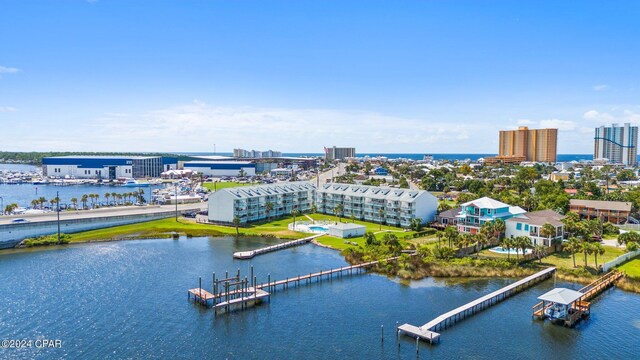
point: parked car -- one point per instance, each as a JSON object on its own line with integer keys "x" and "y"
{"x": 19, "y": 221}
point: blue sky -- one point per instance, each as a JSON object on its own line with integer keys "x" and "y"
{"x": 383, "y": 76}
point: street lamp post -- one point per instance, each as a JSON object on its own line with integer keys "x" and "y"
{"x": 58, "y": 211}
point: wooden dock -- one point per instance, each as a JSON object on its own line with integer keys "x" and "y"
{"x": 250, "y": 254}
{"x": 582, "y": 307}
{"x": 243, "y": 293}
{"x": 427, "y": 331}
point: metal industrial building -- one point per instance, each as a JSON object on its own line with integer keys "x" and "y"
{"x": 221, "y": 168}
{"x": 106, "y": 167}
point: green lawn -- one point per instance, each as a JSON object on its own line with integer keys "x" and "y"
{"x": 340, "y": 244}
{"x": 223, "y": 185}
{"x": 167, "y": 227}
{"x": 565, "y": 260}
{"x": 632, "y": 268}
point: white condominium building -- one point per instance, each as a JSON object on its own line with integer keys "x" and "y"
{"x": 249, "y": 203}
{"x": 377, "y": 204}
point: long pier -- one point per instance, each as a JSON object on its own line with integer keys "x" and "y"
{"x": 241, "y": 292}
{"x": 428, "y": 331}
{"x": 250, "y": 254}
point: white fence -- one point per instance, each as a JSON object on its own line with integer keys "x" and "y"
{"x": 619, "y": 260}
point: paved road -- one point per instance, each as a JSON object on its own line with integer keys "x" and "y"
{"x": 340, "y": 169}
{"x": 116, "y": 211}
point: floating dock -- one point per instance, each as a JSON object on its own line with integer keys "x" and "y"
{"x": 427, "y": 331}
{"x": 250, "y": 254}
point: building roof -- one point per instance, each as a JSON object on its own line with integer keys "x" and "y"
{"x": 451, "y": 213}
{"x": 561, "y": 296}
{"x": 373, "y": 192}
{"x": 246, "y": 192}
{"x": 602, "y": 205}
{"x": 486, "y": 203}
{"x": 101, "y": 157}
{"x": 539, "y": 218}
{"x": 347, "y": 226}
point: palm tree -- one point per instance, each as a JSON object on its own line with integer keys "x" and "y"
{"x": 83, "y": 199}
{"x": 114, "y": 196}
{"x": 34, "y": 203}
{"x": 54, "y": 201}
{"x": 522, "y": 243}
{"x": 547, "y": 230}
{"x": 294, "y": 213}
{"x": 268, "y": 207}
{"x": 439, "y": 235}
{"x": 74, "y": 201}
{"x": 499, "y": 228}
{"x": 481, "y": 241}
{"x": 570, "y": 222}
{"x": 451, "y": 233}
{"x": 107, "y": 195}
{"x": 586, "y": 249}
{"x": 236, "y": 223}
{"x": 314, "y": 209}
{"x": 42, "y": 201}
{"x": 539, "y": 251}
{"x": 487, "y": 233}
{"x": 10, "y": 208}
{"x": 573, "y": 246}
{"x": 597, "y": 249}
{"x": 507, "y": 244}
{"x": 381, "y": 214}
{"x": 340, "y": 210}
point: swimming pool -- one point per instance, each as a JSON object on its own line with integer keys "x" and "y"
{"x": 318, "y": 228}
{"x": 500, "y": 250}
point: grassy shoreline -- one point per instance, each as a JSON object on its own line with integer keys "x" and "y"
{"x": 411, "y": 268}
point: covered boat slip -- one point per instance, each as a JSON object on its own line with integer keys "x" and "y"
{"x": 570, "y": 306}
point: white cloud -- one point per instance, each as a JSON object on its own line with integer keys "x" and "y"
{"x": 598, "y": 116}
{"x": 8, "y": 70}
{"x": 4, "y": 109}
{"x": 198, "y": 126}
{"x": 601, "y": 87}
{"x": 562, "y": 125}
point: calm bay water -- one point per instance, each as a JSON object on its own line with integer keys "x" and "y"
{"x": 128, "y": 300}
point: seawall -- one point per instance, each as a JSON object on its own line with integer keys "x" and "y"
{"x": 13, "y": 234}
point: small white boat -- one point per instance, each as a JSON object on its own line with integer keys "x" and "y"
{"x": 556, "y": 311}
{"x": 134, "y": 183}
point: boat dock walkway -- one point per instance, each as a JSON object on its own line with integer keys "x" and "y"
{"x": 250, "y": 254}
{"x": 427, "y": 331}
{"x": 242, "y": 292}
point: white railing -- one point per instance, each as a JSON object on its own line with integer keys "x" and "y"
{"x": 619, "y": 260}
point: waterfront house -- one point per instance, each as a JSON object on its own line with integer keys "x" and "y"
{"x": 475, "y": 213}
{"x": 447, "y": 218}
{"x": 530, "y": 224}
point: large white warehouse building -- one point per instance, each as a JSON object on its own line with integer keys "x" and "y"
{"x": 106, "y": 167}
{"x": 221, "y": 168}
